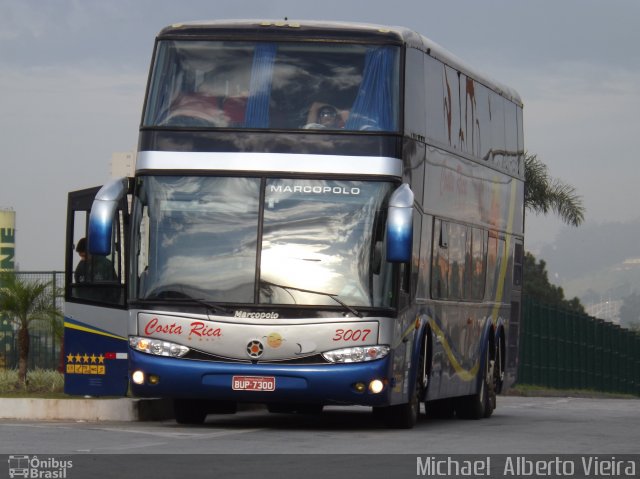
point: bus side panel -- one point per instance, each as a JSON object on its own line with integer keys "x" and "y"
{"x": 402, "y": 350}
{"x": 95, "y": 358}
{"x": 456, "y": 365}
{"x": 455, "y": 352}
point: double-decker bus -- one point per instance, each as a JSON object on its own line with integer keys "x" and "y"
{"x": 321, "y": 214}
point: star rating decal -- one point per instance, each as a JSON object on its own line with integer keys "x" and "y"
{"x": 83, "y": 363}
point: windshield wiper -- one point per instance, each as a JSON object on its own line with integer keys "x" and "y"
{"x": 335, "y": 297}
{"x": 173, "y": 296}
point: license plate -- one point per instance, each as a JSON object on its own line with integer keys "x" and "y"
{"x": 253, "y": 383}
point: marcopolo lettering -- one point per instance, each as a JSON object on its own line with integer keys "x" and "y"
{"x": 316, "y": 190}
{"x": 256, "y": 315}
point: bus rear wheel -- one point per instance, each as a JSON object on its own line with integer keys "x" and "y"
{"x": 482, "y": 403}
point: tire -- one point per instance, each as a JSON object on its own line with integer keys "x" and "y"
{"x": 482, "y": 403}
{"x": 195, "y": 411}
{"x": 221, "y": 407}
{"x": 405, "y": 416}
{"x": 500, "y": 366}
{"x": 189, "y": 411}
{"x": 401, "y": 416}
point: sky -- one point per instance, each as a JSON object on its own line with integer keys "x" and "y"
{"x": 73, "y": 74}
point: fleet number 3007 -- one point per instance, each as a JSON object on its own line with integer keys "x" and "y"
{"x": 351, "y": 334}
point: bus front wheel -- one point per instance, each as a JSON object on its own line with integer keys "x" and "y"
{"x": 405, "y": 416}
{"x": 189, "y": 411}
{"x": 194, "y": 411}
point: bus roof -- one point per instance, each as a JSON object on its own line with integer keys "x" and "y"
{"x": 282, "y": 30}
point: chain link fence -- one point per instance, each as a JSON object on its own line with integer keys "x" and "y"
{"x": 45, "y": 339}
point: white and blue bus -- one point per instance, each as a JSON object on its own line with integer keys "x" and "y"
{"x": 321, "y": 214}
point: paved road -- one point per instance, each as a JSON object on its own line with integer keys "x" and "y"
{"x": 519, "y": 426}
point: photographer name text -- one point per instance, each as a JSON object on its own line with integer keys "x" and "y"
{"x": 522, "y": 466}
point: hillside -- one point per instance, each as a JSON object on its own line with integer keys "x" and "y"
{"x": 597, "y": 263}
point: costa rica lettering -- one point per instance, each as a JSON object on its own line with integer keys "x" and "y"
{"x": 196, "y": 328}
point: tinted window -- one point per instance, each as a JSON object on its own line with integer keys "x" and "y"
{"x": 198, "y": 84}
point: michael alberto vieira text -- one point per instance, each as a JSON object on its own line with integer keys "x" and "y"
{"x": 522, "y": 466}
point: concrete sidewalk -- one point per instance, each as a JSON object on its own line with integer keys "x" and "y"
{"x": 90, "y": 409}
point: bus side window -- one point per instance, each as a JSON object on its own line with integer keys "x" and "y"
{"x": 457, "y": 260}
{"x": 518, "y": 265}
{"x": 422, "y": 287}
{"x": 477, "y": 267}
{"x": 495, "y": 256}
{"x": 440, "y": 266}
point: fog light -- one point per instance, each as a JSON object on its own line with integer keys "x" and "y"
{"x": 138, "y": 377}
{"x": 359, "y": 387}
{"x": 376, "y": 386}
{"x": 153, "y": 379}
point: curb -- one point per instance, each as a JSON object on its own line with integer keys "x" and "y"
{"x": 86, "y": 409}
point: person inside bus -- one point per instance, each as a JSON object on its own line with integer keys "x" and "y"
{"x": 326, "y": 116}
{"x": 92, "y": 269}
{"x": 206, "y": 104}
{"x": 95, "y": 277}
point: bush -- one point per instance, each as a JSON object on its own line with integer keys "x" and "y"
{"x": 38, "y": 381}
{"x": 8, "y": 380}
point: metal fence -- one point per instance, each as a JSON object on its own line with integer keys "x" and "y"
{"x": 45, "y": 344}
{"x": 567, "y": 350}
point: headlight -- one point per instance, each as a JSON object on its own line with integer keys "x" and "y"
{"x": 357, "y": 354}
{"x": 157, "y": 347}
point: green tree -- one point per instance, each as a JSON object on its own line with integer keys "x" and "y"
{"x": 25, "y": 302}
{"x": 537, "y": 286}
{"x": 543, "y": 193}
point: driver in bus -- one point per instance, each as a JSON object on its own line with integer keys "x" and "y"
{"x": 92, "y": 268}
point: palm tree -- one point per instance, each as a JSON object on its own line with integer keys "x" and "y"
{"x": 25, "y": 302}
{"x": 542, "y": 193}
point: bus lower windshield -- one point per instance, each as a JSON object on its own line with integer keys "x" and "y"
{"x": 261, "y": 241}
{"x": 292, "y": 86}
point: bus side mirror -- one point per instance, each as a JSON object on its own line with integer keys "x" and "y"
{"x": 103, "y": 211}
{"x": 400, "y": 225}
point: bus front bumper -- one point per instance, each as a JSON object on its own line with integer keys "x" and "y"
{"x": 336, "y": 384}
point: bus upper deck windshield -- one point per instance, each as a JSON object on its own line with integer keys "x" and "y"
{"x": 259, "y": 85}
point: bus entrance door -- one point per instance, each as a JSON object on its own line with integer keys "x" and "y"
{"x": 95, "y": 322}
